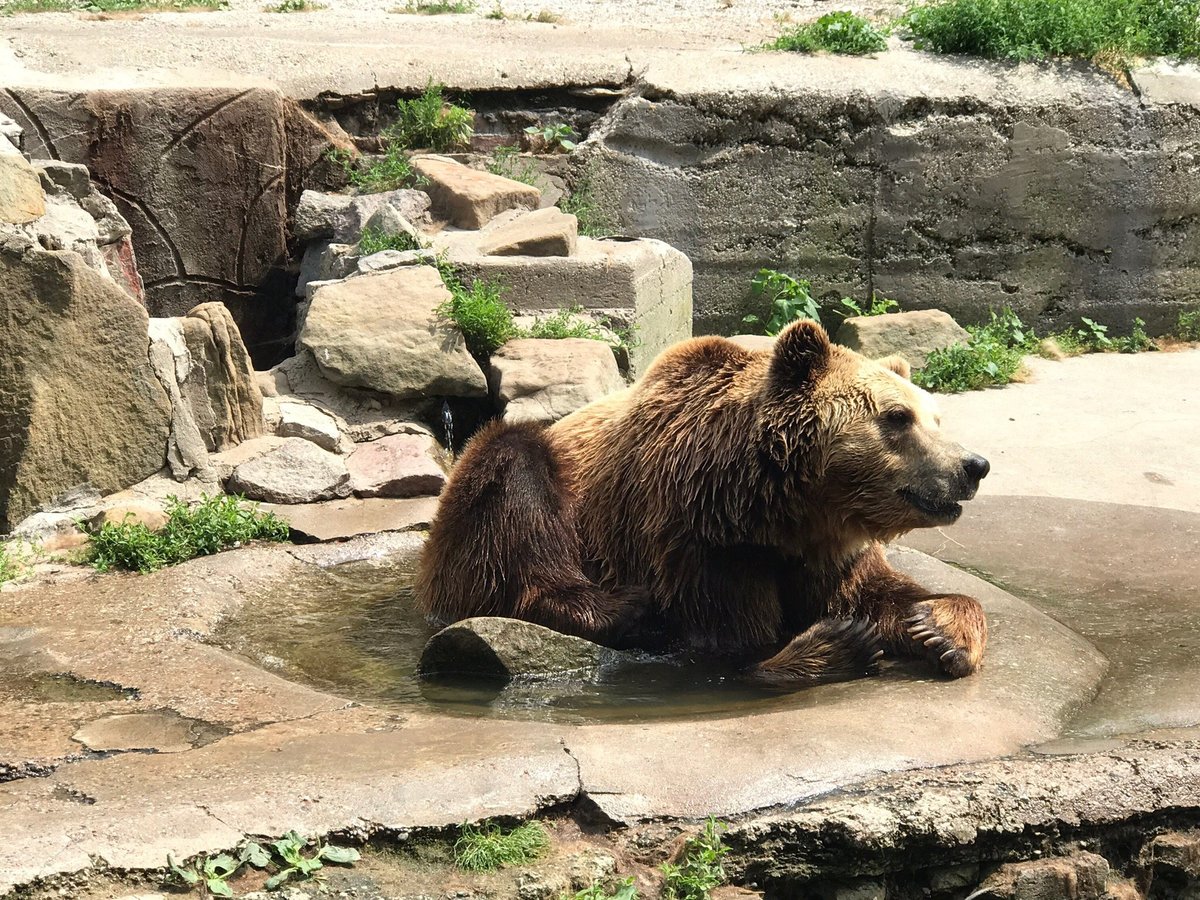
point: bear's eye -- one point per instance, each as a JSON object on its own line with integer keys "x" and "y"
{"x": 899, "y": 418}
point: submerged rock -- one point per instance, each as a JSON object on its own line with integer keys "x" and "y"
{"x": 505, "y": 648}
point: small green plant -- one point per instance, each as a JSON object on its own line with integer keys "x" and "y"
{"x": 374, "y": 240}
{"x": 1187, "y": 326}
{"x": 787, "y": 298}
{"x": 296, "y": 865}
{"x": 478, "y": 310}
{"x": 507, "y": 162}
{"x": 626, "y": 890}
{"x": 554, "y": 136}
{"x": 291, "y": 864}
{"x": 879, "y": 306}
{"x": 385, "y": 173}
{"x": 1137, "y": 341}
{"x": 432, "y": 121}
{"x": 1038, "y": 29}
{"x": 490, "y": 847}
{"x": 700, "y": 870}
{"x": 565, "y": 323}
{"x": 436, "y": 7}
{"x": 295, "y": 6}
{"x": 992, "y": 355}
{"x": 10, "y": 565}
{"x": 214, "y": 524}
{"x": 835, "y": 32}
{"x": 582, "y": 204}
{"x": 14, "y": 7}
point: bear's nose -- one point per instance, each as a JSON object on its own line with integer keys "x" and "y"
{"x": 976, "y": 467}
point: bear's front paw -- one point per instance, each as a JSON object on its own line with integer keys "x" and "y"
{"x": 951, "y": 631}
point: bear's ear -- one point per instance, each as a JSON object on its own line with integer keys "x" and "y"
{"x": 897, "y": 364}
{"x": 801, "y": 351}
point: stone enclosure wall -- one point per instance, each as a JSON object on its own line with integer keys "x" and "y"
{"x": 939, "y": 183}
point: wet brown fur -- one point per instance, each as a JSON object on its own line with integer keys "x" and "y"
{"x": 732, "y": 501}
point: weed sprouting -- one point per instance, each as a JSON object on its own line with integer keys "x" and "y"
{"x": 879, "y": 306}
{"x": 10, "y": 564}
{"x": 700, "y": 870}
{"x": 373, "y": 240}
{"x": 582, "y": 204}
{"x": 1187, "y": 326}
{"x": 787, "y": 300}
{"x": 289, "y": 862}
{"x": 507, "y": 162}
{"x": 431, "y": 121}
{"x": 488, "y": 846}
{"x": 212, "y": 525}
{"x": 554, "y": 136}
{"x": 478, "y": 310}
{"x": 1038, "y": 29}
{"x": 992, "y": 355}
{"x": 626, "y": 890}
{"x": 436, "y": 7}
{"x": 835, "y": 32}
{"x": 295, "y": 6}
{"x": 385, "y": 173}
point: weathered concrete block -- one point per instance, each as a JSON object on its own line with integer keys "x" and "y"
{"x": 650, "y": 279}
{"x": 543, "y": 380}
{"x": 913, "y": 335}
{"x": 469, "y": 198}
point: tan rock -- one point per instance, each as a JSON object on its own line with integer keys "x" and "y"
{"x": 21, "y": 196}
{"x": 468, "y": 197}
{"x": 538, "y": 380}
{"x": 79, "y": 402}
{"x": 383, "y": 332}
{"x": 299, "y": 419}
{"x": 149, "y": 514}
{"x": 913, "y": 335}
{"x": 297, "y": 471}
{"x": 399, "y": 465}
{"x": 221, "y": 386}
{"x": 337, "y": 520}
{"x": 543, "y": 232}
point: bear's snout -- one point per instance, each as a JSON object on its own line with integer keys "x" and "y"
{"x": 976, "y": 469}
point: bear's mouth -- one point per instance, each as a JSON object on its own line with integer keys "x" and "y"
{"x": 940, "y": 510}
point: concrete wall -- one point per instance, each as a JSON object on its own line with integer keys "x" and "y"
{"x": 960, "y": 185}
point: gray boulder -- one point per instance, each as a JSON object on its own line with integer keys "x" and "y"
{"x": 505, "y": 648}
{"x": 383, "y": 332}
{"x": 913, "y": 335}
{"x": 341, "y": 217}
{"x": 297, "y": 471}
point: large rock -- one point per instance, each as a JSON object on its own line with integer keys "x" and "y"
{"x": 544, "y": 232}
{"x": 337, "y": 520}
{"x": 399, "y": 465}
{"x": 216, "y": 402}
{"x": 79, "y": 402}
{"x": 505, "y": 648}
{"x": 204, "y": 176}
{"x": 913, "y": 335}
{"x": 1081, "y": 876}
{"x": 383, "y": 332}
{"x": 469, "y": 198}
{"x": 646, "y": 283}
{"x": 342, "y": 217}
{"x": 21, "y": 198}
{"x": 297, "y": 471}
{"x": 538, "y": 380}
{"x": 303, "y": 420}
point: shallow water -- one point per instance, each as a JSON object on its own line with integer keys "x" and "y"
{"x": 354, "y": 630}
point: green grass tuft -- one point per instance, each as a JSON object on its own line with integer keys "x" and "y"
{"x": 700, "y": 870}
{"x": 507, "y": 162}
{"x": 1039, "y": 29}
{"x": 295, "y": 6}
{"x": 478, "y": 310}
{"x": 372, "y": 240}
{"x": 835, "y": 32}
{"x": 214, "y": 524}
{"x": 373, "y": 175}
{"x": 431, "y": 121}
{"x": 566, "y": 323}
{"x": 10, "y": 565}
{"x": 436, "y": 7}
{"x": 490, "y": 847}
{"x": 581, "y": 202}
{"x": 15, "y": 7}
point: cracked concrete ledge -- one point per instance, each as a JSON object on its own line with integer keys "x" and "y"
{"x": 966, "y": 814}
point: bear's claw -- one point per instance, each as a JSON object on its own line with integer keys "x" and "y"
{"x": 951, "y": 631}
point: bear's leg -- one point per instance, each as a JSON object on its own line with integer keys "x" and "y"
{"x": 950, "y": 630}
{"x": 831, "y": 650}
{"x": 505, "y": 543}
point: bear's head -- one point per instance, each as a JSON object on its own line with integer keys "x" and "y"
{"x": 856, "y": 437}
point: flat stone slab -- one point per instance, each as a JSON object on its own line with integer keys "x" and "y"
{"x": 398, "y": 465}
{"x": 544, "y": 232}
{"x": 337, "y": 520}
{"x": 158, "y": 731}
{"x": 469, "y": 198}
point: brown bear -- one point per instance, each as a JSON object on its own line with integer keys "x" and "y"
{"x": 732, "y": 501}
